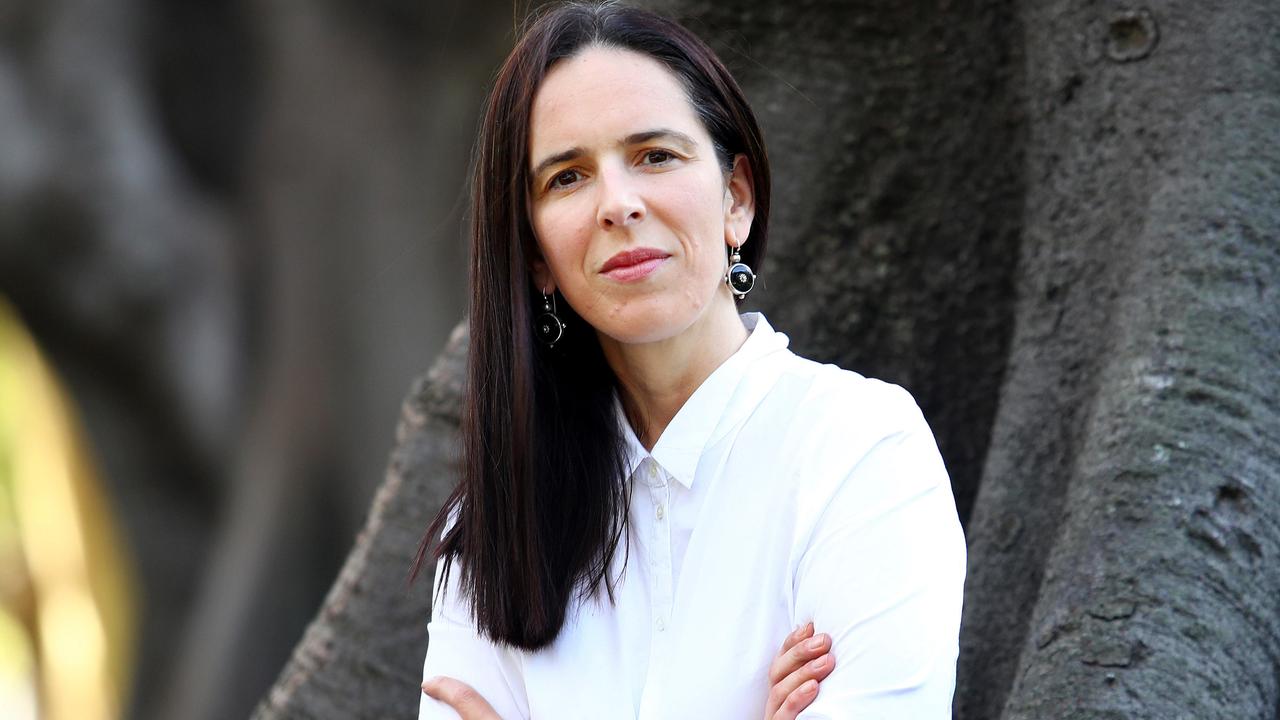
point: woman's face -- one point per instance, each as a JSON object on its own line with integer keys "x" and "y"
{"x": 631, "y": 208}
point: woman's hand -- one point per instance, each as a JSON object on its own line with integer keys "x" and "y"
{"x": 804, "y": 661}
{"x": 461, "y": 697}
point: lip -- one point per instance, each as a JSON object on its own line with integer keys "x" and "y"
{"x": 633, "y": 264}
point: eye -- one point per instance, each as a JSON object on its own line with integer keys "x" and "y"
{"x": 564, "y": 179}
{"x": 657, "y": 157}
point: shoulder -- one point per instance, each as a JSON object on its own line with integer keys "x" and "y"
{"x": 841, "y": 432}
{"x": 816, "y": 394}
{"x": 832, "y": 402}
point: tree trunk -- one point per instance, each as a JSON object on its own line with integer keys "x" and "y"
{"x": 1124, "y": 546}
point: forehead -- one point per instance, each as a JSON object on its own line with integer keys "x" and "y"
{"x": 602, "y": 94}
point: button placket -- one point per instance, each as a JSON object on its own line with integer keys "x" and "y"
{"x": 660, "y": 494}
{"x": 661, "y": 592}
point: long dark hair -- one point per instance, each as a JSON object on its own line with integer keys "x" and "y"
{"x": 541, "y": 504}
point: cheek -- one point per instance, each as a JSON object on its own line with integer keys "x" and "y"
{"x": 562, "y": 238}
{"x": 694, "y": 199}
{"x": 697, "y": 207}
{"x": 693, "y": 207}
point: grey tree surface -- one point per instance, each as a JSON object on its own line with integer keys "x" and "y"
{"x": 1124, "y": 543}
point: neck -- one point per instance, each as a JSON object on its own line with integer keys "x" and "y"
{"x": 657, "y": 378}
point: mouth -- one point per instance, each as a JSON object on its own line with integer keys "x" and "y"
{"x": 630, "y": 265}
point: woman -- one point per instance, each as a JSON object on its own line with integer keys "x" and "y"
{"x": 654, "y": 490}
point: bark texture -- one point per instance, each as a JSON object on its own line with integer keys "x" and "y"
{"x": 1124, "y": 545}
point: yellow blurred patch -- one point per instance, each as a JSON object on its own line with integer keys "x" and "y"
{"x": 67, "y": 615}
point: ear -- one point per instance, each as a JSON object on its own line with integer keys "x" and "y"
{"x": 543, "y": 281}
{"x": 739, "y": 202}
{"x": 542, "y": 278}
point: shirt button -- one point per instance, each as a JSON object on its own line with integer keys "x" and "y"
{"x": 660, "y": 625}
{"x": 660, "y": 512}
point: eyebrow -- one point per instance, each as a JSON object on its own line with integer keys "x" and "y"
{"x": 632, "y": 139}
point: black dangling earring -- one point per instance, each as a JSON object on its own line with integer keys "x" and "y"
{"x": 740, "y": 277}
{"x": 548, "y": 325}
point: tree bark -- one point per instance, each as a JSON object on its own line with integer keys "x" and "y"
{"x": 1124, "y": 545}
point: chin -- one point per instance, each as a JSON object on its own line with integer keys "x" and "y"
{"x": 639, "y": 325}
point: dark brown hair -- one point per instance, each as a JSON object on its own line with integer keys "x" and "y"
{"x": 541, "y": 504}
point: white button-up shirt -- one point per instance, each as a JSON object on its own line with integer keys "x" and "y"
{"x": 783, "y": 491}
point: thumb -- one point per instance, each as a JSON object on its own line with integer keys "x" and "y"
{"x": 461, "y": 697}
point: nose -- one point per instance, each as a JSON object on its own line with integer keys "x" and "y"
{"x": 620, "y": 204}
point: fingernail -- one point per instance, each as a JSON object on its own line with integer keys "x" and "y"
{"x": 809, "y": 687}
{"x": 809, "y": 628}
{"x": 815, "y": 644}
{"x": 819, "y": 663}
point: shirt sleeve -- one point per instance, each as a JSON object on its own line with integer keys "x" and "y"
{"x": 883, "y": 574}
{"x": 458, "y": 650}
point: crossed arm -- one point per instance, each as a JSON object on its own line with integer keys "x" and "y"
{"x": 803, "y": 661}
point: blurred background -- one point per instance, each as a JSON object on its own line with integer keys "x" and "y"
{"x": 230, "y": 237}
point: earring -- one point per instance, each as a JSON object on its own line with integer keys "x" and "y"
{"x": 739, "y": 277}
{"x": 548, "y": 326}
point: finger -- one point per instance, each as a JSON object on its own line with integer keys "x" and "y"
{"x": 801, "y": 632}
{"x": 796, "y": 701}
{"x": 815, "y": 670}
{"x": 783, "y": 664}
{"x": 797, "y": 655}
{"x": 781, "y": 667}
{"x": 461, "y": 697}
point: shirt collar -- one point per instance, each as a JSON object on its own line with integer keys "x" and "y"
{"x": 682, "y": 442}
